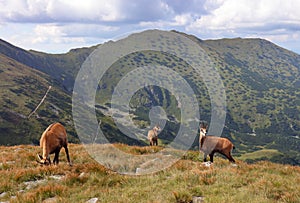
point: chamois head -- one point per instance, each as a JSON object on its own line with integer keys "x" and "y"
{"x": 43, "y": 161}
{"x": 203, "y": 129}
{"x": 156, "y": 128}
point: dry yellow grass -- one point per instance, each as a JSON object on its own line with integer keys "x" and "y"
{"x": 22, "y": 179}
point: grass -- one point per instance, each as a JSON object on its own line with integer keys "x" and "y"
{"x": 187, "y": 178}
{"x": 264, "y": 153}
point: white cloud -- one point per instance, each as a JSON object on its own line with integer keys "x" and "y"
{"x": 60, "y": 10}
{"x": 69, "y": 33}
{"x": 21, "y": 10}
{"x": 46, "y": 11}
{"x": 47, "y": 32}
{"x": 239, "y": 14}
{"x": 67, "y": 22}
{"x": 56, "y": 38}
{"x": 88, "y": 10}
{"x": 183, "y": 19}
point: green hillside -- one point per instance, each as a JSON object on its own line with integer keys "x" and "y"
{"x": 22, "y": 88}
{"x": 261, "y": 81}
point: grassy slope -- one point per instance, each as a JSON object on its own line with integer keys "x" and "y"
{"x": 260, "y": 79}
{"x": 270, "y": 107}
{"x": 261, "y": 82}
{"x": 260, "y": 182}
{"x": 22, "y": 88}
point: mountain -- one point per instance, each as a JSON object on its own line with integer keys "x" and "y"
{"x": 61, "y": 67}
{"x": 261, "y": 81}
{"x": 22, "y": 88}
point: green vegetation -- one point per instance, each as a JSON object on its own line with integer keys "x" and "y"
{"x": 22, "y": 88}
{"x": 22, "y": 179}
{"x": 264, "y": 153}
{"x": 261, "y": 81}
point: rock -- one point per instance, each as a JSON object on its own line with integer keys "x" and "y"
{"x": 56, "y": 177}
{"x": 8, "y": 163}
{"x": 50, "y": 200}
{"x": 32, "y": 184}
{"x": 93, "y": 200}
{"x": 198, "y": 199}
{"x": 3, "y": 194}
{"x": 138, "y": 170}
{"x": 81, "y": 175}
{"x": 207, "y": 164}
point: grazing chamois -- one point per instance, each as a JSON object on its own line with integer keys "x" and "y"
{"x": 153, "y": 134}
{"x": 52, "y": 140}
{"x": 209, "y": 145}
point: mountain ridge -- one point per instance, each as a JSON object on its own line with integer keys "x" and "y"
{"x": 60, "y": 66}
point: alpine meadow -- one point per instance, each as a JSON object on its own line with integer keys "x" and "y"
{"x": 262, "y": 85}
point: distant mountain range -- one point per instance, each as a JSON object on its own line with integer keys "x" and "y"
{"x": 262, "y": 82}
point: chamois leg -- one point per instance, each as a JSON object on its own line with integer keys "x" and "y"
{"x": 230, "y": 158}
{"x": 67, "y": 153}
{"x": 205, "y": 157}
{"x": 48, "y": 158}
{"x": 211, "y": 157}
{"x": 56, "y": 157}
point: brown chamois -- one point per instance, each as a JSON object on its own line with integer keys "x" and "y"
{"x": 209, "y": 145}
{"x": 52, "y": 140}
{"x": 152, "y": 135}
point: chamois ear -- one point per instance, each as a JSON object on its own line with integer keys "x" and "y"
{"x": 203, "y": 124}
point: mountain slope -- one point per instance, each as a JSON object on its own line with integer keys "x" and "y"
{"x": 264, "y": 83}
{"x": 261, "y": 81}
{"x": 22, "y": 88}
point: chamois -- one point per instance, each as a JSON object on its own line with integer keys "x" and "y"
{"x": 52, "y": 140}
{"x": 209, "y": 145}
{"x": 152, "y": 135}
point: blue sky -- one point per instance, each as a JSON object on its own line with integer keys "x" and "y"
{"x": 55, "y": 26}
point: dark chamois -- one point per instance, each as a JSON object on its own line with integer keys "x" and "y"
{"x": 209, "y": 145}
{"x": 52, "y": 140}
{"x": 153, "y": 135}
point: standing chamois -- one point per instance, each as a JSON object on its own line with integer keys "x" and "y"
{"x": 153, "y": 134}
{"x": 52, "y": 140}
{"x": 209, "y": 145}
